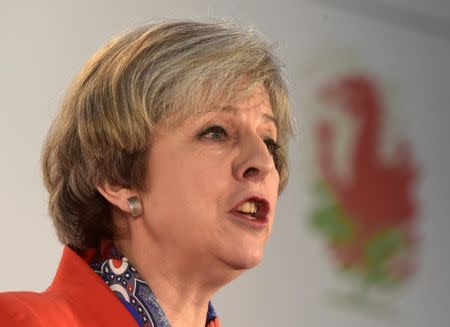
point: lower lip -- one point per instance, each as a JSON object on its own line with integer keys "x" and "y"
{"x": 253, "y": 223}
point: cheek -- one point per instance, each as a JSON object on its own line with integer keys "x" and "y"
{"x": 188, "y": 187}
{"x": 275, "y": 184}
{"x": 205, "y": 183}
{"x": 211, "y": 176}
{"x": 272, "y": 189}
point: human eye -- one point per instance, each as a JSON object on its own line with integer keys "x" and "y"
{"x": 215, "y": 132}
{"x": 272, "y": 146}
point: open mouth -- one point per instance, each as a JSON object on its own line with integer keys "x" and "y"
{"x": 254, "y": 209}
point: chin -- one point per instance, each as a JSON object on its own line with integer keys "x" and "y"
{"x": 244, "y": 259}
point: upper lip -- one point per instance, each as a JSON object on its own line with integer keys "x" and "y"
{"x": 262, "y": 205}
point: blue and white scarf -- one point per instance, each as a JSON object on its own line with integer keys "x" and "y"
{"x": 135, "y": 294}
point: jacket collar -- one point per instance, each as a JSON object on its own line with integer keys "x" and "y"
{"x": 89, "y": 298}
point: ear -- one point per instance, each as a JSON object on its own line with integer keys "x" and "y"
{"x": 116, "y": 195}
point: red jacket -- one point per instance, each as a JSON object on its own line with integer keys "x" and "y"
{"x": 76, "y": 297}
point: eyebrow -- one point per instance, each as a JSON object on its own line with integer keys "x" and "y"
{"x": 234, "y": 110}
{"x": 271, "y": 119}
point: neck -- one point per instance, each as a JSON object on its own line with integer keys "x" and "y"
{"x": 182, "y": 283}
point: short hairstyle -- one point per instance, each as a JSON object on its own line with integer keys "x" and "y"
{"x": 145, "y": 76}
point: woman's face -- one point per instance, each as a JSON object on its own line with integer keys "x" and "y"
{"x": 213, "y": 186}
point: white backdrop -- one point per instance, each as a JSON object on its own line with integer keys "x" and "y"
{"x": 44, "y": 45}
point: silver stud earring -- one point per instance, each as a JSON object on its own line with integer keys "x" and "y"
{"x": 135, "y": 206}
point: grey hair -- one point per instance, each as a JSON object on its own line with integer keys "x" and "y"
{"x": 155, "y": 73}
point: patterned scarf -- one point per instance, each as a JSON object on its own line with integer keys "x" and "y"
{"x": 135, "y": 294}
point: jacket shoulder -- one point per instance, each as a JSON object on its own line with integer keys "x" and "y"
{"x": 36, "y": 309}
{"x": 20, "y": 309}
{"x": 77, "y": 297}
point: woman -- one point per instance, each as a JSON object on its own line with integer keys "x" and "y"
{"x": 163, "y": 169}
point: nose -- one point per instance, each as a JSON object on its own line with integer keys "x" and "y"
{"x": 254, "y": 162}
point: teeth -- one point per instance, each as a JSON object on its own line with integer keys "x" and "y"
{"x": 248, "y": 207}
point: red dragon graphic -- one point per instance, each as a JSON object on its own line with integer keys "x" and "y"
{"x": 369, "y": 218}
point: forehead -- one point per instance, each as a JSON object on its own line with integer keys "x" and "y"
{"x": 260, "y": 106}
{"x": 257, "y": 100}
